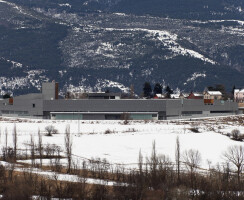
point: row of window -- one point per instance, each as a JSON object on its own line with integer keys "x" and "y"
{"x": 14, "y": 112}
{"x": 191, "y": 112}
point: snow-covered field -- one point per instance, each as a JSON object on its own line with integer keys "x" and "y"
{"x": 123, "y": 142}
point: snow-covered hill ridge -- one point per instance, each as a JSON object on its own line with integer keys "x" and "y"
{"x": 18, "y": 8}
{"x": 169, "y": 40}
{"x": 91, "y": 50}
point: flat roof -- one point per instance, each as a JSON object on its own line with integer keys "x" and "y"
{"x": 103, "y": 112}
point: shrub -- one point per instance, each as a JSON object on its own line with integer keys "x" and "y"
{"x": 108, "y": 131}
{"x": 55, "y": 131}
{"x": 194, "y": 130}
{"x": 51, "y": 130}
{"x": 126, "y": 117}
{"x": 236, "y": 135}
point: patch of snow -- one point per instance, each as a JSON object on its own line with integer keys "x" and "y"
{"x": 219, "y": 21}
{"x": 14, "y": 63}
{"x": 65, "y": 5}
{"x": 169, "y": 41}
{"x": 18, "y": 8}
{"x": 104, "y": 83}
{"x": 120, "y": 14}
{"x": 62, "y": 72}
{"x": 33, "y": 78}
{"x": 85, "y": 3}
{"x": 147, "y": 72}
{"x": 194, "y": 76}
{"x": 233, "y": 31}
{"x": 76, "y": 29}
{"x": 104, "y": 50}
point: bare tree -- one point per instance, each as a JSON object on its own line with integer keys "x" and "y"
{"x": 15, "y": 141}
{"x": 32, "y": 144}
{"x": 154, "y": 157}
{"x": 40, "y": 146}
{"x": 177, "y": 158}
{"x": 140, "y": 162}
{"x": 51, "y": 130}
{"x": 68, "y": 147}
{"x": 6, "y": 138}
{"x": 153, "y": 164}
{"x": 192, "y": 159}
{"x": 235, "y": 155}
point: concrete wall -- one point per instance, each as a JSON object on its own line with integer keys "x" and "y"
{"x": 34, "y": 105}
{"x": 166, "y": 108}
{"x": 49, "y": 90}
{"x": 101, "y": 105}
{"x": 30, "y": 107}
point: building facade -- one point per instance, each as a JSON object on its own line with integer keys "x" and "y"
{"x": 239, "y": 95}
{"x": 47, "y": 105}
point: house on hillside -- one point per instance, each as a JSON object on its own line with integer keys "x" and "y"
{"x": 239, "y": 95}
{"x": 174, "y": 96}
{"x": 194, "y": 95}
{"x": 159, "y": 96}
{"x": 179, "y": 96}
{"x": 211, "y": 96}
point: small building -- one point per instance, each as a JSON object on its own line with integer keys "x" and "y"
{"x": 211, "y": 96}
{"x": 239, "y": 95}
{"x": 194, "y": 95}
{"x": 159, "y": 96}
{"x": 183, "y": 95}
{"x": 175, "y": 96}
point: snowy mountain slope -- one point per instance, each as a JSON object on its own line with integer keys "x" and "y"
{"x": 97, "y": 50}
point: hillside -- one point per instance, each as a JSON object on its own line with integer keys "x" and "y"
{"x": 91, "y": 45}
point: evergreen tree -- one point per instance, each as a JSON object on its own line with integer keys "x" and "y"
{"x": 157, "y": 89}
{"x": 211, "y": 88}
{"x": 6, "y": 96}
{"x": 147, "y": 90}
{"x": 233, "y": 90}
{"x": 168, "y": 91}
{"x": 220, "y": 88}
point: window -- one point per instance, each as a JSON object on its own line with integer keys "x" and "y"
{"x": 188, "y": 113}
{"x": 33, "y": 105}
{"x": 221, "y": 111}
